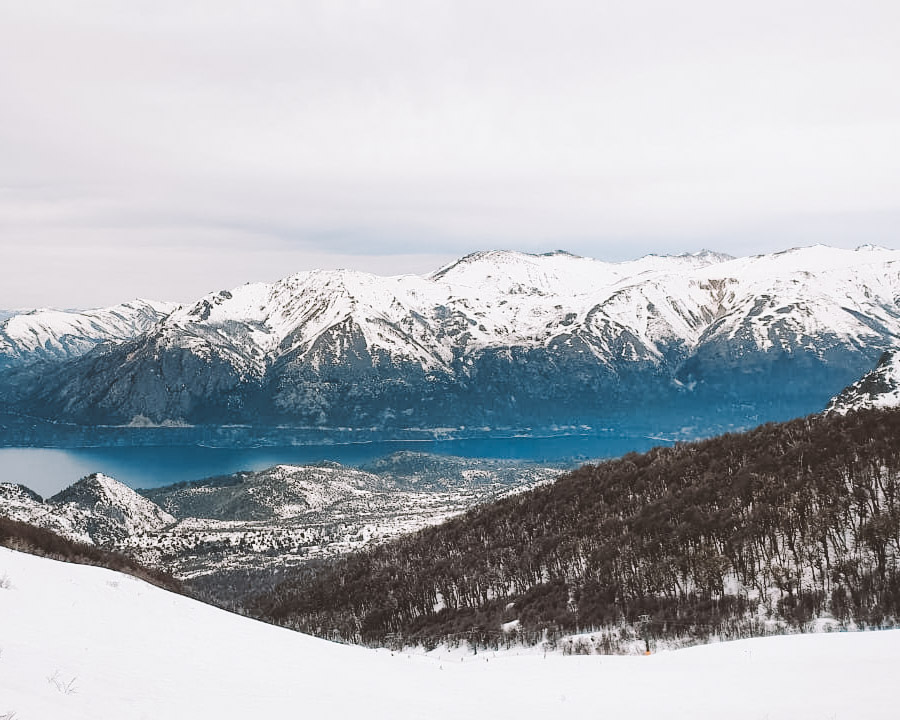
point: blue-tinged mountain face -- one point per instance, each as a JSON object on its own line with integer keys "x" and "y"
{"x": 499, "y": 340}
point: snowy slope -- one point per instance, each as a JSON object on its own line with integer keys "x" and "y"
{"x": 84, "y": 642}
{"x": 791, "y": 298}
{"x": 59, "y": 334}
{"x": 879, "y": 388}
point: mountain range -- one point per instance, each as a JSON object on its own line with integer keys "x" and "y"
{"x": 494, "y": 340}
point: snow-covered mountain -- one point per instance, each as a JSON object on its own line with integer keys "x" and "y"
{"x": 96, "y": 509}
{"x": 110, "y": 510}
{"x": 86, "y": 642}
{"x": 60, "y": 335}
{"x": 879, "y": 388}
{"x": 500, "y": 339}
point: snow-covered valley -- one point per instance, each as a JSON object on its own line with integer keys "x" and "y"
{"x": 85, "y": 642}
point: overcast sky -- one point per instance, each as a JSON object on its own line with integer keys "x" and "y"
{"x": 166, "y": 149}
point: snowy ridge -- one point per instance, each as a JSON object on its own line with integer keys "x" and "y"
{"x": 19, "y": 503}
{"x": 502, "y": 298}
{"x": 879, "y": 388}
{"x": 486, "y": 299}
{"x": 280, "y": 492}
{"x": 59, "y": 334}
{"x": 91, "y": 643}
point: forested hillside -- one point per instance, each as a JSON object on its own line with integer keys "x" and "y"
{"x": 734, "y": 536}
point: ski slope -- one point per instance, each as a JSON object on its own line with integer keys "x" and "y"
{"x": 84, "y": 642}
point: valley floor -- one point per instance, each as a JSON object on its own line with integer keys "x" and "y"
{"x": 84, "y": 642}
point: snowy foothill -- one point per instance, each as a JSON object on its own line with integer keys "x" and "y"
{"x": 879, "y": 388}
{"x": 84, "y": 642}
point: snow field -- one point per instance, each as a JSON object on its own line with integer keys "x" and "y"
{"x": 84, "y": 642}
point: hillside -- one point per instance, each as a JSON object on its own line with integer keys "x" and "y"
{"x": 235, "y": 534}
{"x": 96, "y": 509}
{"x": 878, "y": 388}
{"x": 87, "y": 643}
{"x": 733, "y": 536}
{"x": 497, "y": 340}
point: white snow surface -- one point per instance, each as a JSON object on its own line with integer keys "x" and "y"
{"x": 84, "y": 642}
{"x": 500, "y": 299}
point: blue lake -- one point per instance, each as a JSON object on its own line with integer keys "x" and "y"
{"x": 48, "y": 470}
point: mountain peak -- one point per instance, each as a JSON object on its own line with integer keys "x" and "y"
{"x": 489, "y": 256}
{"x": 711, "y": 256}
{"x": 108, "y": 509}
{"x": 95, "y": 488}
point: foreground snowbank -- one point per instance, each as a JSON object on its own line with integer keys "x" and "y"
{"x": 83, "y": 642}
